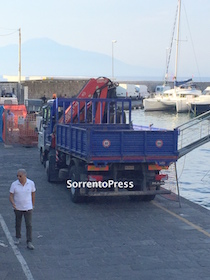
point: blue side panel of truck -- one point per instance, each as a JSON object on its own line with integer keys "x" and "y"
{"x": 114, "y": 144}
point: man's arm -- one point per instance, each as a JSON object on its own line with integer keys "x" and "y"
{"x": 11, "y": 199}
{"x": 33, "y": 198}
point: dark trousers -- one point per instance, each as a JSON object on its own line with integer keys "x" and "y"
{"x": 28, "y": 221}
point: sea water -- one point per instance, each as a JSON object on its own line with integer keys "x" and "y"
{"x": 193, "y": 169}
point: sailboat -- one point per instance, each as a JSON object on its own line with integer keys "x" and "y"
{"x": 181, "y": 96}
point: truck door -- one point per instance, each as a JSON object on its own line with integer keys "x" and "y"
{"x": 41, "y": 136}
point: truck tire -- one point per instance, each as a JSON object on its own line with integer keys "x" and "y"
{"x": 48, "y": 170}
{"x": 75, "y": 192}
{"x": 52, "y": 173}
{"x": 41, "y": 156}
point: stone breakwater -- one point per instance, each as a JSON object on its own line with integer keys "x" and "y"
{"x": 152, "y": 84}
{"x": 70, "y": 87}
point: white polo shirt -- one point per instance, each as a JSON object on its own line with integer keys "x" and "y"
{"x": 22, "y": 194}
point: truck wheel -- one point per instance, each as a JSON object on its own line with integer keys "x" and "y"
{"x": 75, "y": 192}
{"x": 48, "y": 171}
{"x": 52, "y": 173}
{"x": 41, "y": 157}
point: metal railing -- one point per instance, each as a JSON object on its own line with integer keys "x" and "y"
{"x": 93, "y": 110}
{"x": 194, "y": 133}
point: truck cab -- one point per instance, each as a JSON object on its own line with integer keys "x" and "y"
{"x": 44, "y": 129}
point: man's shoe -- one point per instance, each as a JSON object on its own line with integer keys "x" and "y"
{"x": 30, "y": 246}
{"x": 17, "y": 241}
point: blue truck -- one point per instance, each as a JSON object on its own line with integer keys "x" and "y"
{"x": 91, "y": 143}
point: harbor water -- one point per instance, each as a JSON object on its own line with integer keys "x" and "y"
{"x": 193, "y": 169}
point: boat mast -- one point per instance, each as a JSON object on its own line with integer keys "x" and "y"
{"x": 168, "y": 55}
{"x": 177, "y": 41}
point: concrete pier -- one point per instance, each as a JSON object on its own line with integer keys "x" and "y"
{"x": 105, "y": 238}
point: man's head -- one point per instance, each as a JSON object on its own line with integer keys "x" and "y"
{"x": 21, "y": 174}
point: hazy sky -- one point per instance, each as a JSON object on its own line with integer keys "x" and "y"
{"x": 143, "y": 29}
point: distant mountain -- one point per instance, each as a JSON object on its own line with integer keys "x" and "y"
{"x": 45, "y": 57}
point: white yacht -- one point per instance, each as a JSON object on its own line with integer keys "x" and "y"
{"x": 178, "y": 99}
{"x": 182, "y": 96}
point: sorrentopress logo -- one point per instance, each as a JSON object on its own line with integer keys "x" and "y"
{"x": 100, "y": 184}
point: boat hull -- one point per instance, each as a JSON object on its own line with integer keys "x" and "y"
{"x": 182, "y": 106}
{"x": 154, "y": 104}
{"x": 201, "y": 104}
{"x": 198, "y": 109}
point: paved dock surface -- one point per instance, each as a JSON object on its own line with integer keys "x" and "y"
{"x": 105, "y": 238}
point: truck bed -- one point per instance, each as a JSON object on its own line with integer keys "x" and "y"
{"x": 107, "y": 143}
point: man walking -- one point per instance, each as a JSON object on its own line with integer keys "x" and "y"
{"x": 22, "y": 198}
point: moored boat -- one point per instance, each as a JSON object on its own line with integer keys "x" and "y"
{"x": 201, "y": 104}
{"x": 161, "y": 102}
